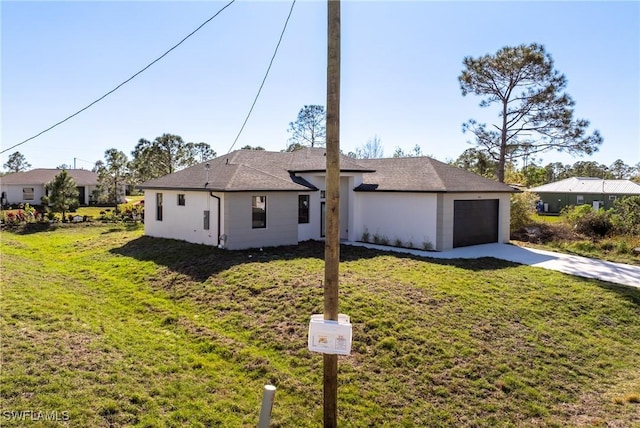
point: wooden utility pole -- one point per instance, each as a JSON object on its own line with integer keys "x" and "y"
{"x": 332, "y": 232}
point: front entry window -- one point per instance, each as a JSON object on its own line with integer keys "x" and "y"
{"x": 303, "y": 209}
{"x": 159, "y": 206}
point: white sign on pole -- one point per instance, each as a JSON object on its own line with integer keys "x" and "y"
{"x": 330, "y": 337}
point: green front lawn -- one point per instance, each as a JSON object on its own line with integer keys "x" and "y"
{"x": 119, "y": 329}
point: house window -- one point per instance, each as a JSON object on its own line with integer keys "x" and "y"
{"x": 613, "y": 197}
{"x": 580, "y": 200}
{"x": 159, "y": 206}
{"x": 206, "y": 220}
{"x": 323, "y": 194}
{"x": 27, "y": 193}
{"x": 181, "y": 200}
{"x": 259, "y": 212}
{"x": 303, "y": 209}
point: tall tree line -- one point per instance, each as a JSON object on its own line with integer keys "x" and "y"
{"x": 164, "y": 155}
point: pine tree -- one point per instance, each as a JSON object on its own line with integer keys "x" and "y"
{"x": 62, "y": 194}
{"x": 535, "y": 115}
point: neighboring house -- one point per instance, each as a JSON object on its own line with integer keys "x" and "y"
{"x": 255, "y": 198}
{"x": 29, "y": 186}
{"x": 596, "y": 192}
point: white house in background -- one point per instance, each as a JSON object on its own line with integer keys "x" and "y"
{"x": 29, "y": 186}
{"x": 255, "y": 198}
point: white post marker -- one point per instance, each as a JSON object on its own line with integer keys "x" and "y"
{"x": 267, "y": 405}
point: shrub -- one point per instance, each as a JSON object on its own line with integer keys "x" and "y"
{"x": 29, "y": 213}
{"x": 380, "y": 239}
{"x": 574, "y": 213}
{"x": 622, "y": 247}
{"x": 11, "y": 218}
{"x": 365, "y": 235}
{"x": 523, "y": 207}
{"x": 594, "y": 224}
{"x": 626, "y": 215}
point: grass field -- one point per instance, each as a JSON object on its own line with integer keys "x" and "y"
{"x": 117, "y": 329}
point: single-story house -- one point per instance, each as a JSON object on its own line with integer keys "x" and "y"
{"x": 592, "y": 191}
{"x": 255, "y": 198}
{"x": 29, "y": 186}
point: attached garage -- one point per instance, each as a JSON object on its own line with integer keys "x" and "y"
{"x": 475, "y": 222}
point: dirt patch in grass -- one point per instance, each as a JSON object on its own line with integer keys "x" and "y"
{"x": 544, "y": 233}
{"x": 613, "y": 404}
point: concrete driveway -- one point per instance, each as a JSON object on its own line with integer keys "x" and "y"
{"x": 617, "y": 273}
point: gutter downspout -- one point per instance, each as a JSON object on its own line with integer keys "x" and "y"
{"x": 218, "y": 234}
{"x": 206, "y": 168}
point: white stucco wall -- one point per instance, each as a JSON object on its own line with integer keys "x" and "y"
{"x": 14, "y": 193}
{"x": 182, "y": 222}
{"x": 408, "y": 217}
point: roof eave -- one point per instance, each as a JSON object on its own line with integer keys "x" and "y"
{"x": 297, "y": 171}
{"x": 434, "y": 191}
{"x": 222, "y": 190}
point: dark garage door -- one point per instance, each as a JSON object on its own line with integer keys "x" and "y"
{"x": 475, "y": 222}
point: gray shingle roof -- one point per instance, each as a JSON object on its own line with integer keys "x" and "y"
{"x": 249, "y": 170}
{"x": 40, "y": 176}
{"x": 590, "y": 185}
{"x": 424, "y": 174}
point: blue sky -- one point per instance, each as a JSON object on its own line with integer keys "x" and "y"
{"x": 400, "y": 64}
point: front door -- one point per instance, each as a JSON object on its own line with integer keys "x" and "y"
{"x": 81, "y": 194}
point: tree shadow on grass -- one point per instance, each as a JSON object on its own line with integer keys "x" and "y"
{"x": 31, "y": 228}
{"x": 39, "y": 227}
{"x": 129, "y": 226}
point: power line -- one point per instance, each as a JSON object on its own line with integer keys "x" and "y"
{"x": 265, "y": 77}
{"x": 123, "y": 83}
